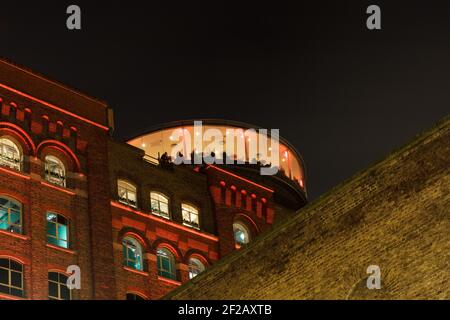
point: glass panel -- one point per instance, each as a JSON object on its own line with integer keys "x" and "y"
{"x": 65, "y": 292}
{"x": 16, "y": 266}
{"x": 51, "y": 217}
{"x": 4, "y": 276}
{"x": 62, "y": 220}
{"x": 53, "y": 289}
{"x": 4, "y": 263}
{"x": 52, "y": 241}
{"x": 62, "y": 232}
{"x": 16, "y": 292}
{"x": 53, "y": 276}
{"x": 15, "y": 217}
{"x": 63, "y": 244}
{"x": 16, "y": 279}
{"x": 4, "y": 289}
{"x": 164, "y": 208}
{"x": 51, "y": 229}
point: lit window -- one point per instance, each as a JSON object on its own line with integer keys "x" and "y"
{"x": 57, "y": 230}
{"x": 166, "y": 264}
{"x": 190, "y": 216}
{"x": 195, "y": 267}
{"x": 132, "y": 253}
{"x": 11, "y": 277}
{"x": 57, "y": 287}
{"x": 10, "y": 155}
{"x": 241, "y": 233}
{"x": 55, "y": 171}
{"x": 10, "y": 215}
{"x": 127, "y": 193}
{"x": 134, "y": 296}
{"x": 160, "y": 204}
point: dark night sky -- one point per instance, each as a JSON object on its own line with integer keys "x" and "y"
{"x": 343, "y": 95}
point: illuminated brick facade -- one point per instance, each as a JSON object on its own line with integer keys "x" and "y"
{"x": 45, "y": 121}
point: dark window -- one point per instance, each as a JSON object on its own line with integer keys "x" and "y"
{"x": 134, "y": 296}
{"x": 11, "y": 278}
{"x": 57, "y": 287}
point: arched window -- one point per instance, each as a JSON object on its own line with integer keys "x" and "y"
{"x": 10, "y": 215}
{"x": 57, "y": 230}
{"x": 10, "y": 154}
{"x": 11, "y": 277}
{"x": 160, "y": 204}
{"x": 134, "y": 296}
{"x": 127, "y": 193}
{"x": 55, "y": 172}
{"x": 166, "y": 264}
{"x": 190, "y": 216}
{"x": 241, "y": 233}
{"x": 132, "y": 253}
{"x": 57, "y": 287}
{"x": 195, "y": 267}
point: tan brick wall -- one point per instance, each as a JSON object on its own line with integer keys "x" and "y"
{"x": 394, "y": 214}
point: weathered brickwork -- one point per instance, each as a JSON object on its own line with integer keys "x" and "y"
{"x": 40, "y": 128}
{"x": 394, "y": 214}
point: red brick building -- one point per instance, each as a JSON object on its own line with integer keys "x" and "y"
{"x": 136, "y": 224}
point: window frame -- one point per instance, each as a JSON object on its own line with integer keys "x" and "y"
{"x": 17, "y": 203}
{"x": 11, "y": 163}
{"x": 195, "y": 211}
{"x": 127, "y": 242}
{"x": 10, "y": 287}
{"x": 57, "y": 225}
{"x": 159, "y": 212}
{"x": 61, "y": 179}
{"x": 164, "y": 253}
{"x": 194, "y": 261}
{"x": 128, "y": 187}
{"x": 59, "y": 284}
{"x": 243, "y": 228}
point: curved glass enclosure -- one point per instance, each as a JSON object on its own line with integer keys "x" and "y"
{"x": 238, "y": 143}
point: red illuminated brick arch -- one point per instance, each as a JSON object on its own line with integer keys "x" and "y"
{"x": 62, "y": 212}
{"x": 136, "y": 234}
{"x": 20, "y": 135}
{"x": 137, "y": 292}
{"x": 22, "y": 260}
{"x": 193, "y": 253}
{"x": 15, "y": 196}
{"x": 61, "y": 147}
{"x": 249, "y": 222}
{"x": 166, "y": 244}
{"x": 57, "y": 269}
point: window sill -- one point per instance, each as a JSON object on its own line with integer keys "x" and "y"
{"x": 61, "y": 249}
{"x": 172, "y": 223}
{"x": 59, "y": 188}
{"x": 190, "y": 226}
{"x": 15, "y": 235}
{"x": 127, "y": 204}
{"x": 142, "y": 273}
{"x": 174, "y": 282}
{"x": 160, "y": 215}
{"x": 8, "y": 297}
{"x": 16, "y": 173}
